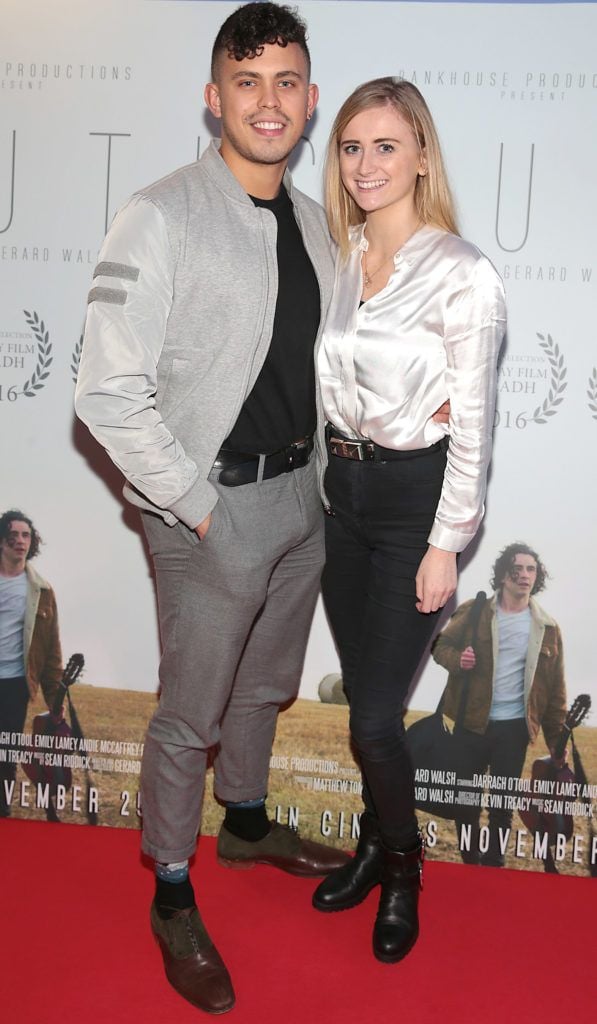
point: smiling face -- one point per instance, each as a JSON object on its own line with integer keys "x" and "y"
{"x": 380, "y": 160}
{"x": 263, "y": 103}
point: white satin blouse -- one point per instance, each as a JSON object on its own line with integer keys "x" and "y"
{"x": 434, "y": 332}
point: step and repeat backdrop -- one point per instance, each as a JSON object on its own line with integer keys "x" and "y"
{"x": 97, "y": 100}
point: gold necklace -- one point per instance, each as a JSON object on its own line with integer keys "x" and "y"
{"x": 368, "y": 277}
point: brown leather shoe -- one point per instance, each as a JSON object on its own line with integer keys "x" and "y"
{"x": 282, "y": 848}
{"x": 193, "y": 965}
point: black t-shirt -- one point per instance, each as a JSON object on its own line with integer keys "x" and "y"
{"x": 281, "y": 407}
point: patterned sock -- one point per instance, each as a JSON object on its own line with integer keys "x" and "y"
{"x": 247, "y": 820}
{"x": 173, "y": 889}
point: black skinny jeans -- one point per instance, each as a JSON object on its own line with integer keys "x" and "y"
{"x": 501, "y": 750}
{"x": 383, "y": 513}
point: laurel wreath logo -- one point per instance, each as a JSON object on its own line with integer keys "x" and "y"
{"x": 38, "y": 378}
{"x": 592, "y": 393}
{"x": 76, "y": 359}
{"x": 557, "y": 383}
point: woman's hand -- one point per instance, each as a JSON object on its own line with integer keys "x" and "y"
{"x": 442, "y": 415}
{"x": 435, "y": 580}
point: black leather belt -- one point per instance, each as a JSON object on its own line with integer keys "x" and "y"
{"x": 367, "y": 451}
{"x": 238, "y": 468}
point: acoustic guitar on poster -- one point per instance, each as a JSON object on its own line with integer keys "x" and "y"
{"x": 551, "y": 778}
{"x": 50, "y": 729}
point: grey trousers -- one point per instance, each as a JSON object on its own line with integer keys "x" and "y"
{"x": 235, "y": 611}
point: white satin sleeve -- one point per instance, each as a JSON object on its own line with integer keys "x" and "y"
{"x": 474, "y": 328}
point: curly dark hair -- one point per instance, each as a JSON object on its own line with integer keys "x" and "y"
{"x": 505, "y": 561}
{"x": 252, "y": 26}
{"x": 15, "y": 514}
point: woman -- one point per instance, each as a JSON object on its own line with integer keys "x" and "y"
{"x": 417, "y": 319}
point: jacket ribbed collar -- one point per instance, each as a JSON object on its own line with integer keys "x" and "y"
{"x": 222, "y": 176}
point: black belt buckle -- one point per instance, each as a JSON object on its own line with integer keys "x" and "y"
{"x": 297, "y": 455}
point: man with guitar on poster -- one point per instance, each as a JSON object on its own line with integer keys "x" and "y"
{"x": 30, "y": 653}
{"x": 516, "y": 684}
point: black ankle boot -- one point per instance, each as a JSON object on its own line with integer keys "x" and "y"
{"x": 349, "y": 885}
{"x": 397, "y": 925}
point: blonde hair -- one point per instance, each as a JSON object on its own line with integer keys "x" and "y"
{"x": 433, "y": 199}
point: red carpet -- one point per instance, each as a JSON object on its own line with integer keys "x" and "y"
{"x": 495, "y": 946}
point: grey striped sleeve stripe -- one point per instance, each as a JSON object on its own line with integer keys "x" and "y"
{"x": 109, "y": 269}
{"x": 115, "y": 295}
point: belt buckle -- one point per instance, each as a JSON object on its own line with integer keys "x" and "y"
{"x": 293, "y": 453}
{"x": 347, "y": 449}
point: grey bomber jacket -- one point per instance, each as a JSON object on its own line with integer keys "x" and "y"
{"x": 179, "y": 322}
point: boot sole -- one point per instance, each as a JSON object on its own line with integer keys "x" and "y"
{"x": 327, "y": 909}
{"x": 385, "y": 958}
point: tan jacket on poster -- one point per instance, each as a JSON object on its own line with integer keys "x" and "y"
{"x": 544, "y": 683}
{"x": 41, "y": 640}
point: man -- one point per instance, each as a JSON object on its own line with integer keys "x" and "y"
{"x": 515, "y": 683}
{"x": 30, "y": 654}
{"x": 197, "y": 376}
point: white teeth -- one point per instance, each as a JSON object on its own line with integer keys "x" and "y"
{"x": 371, "y": 184}
{"x": 268, "y": 125}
